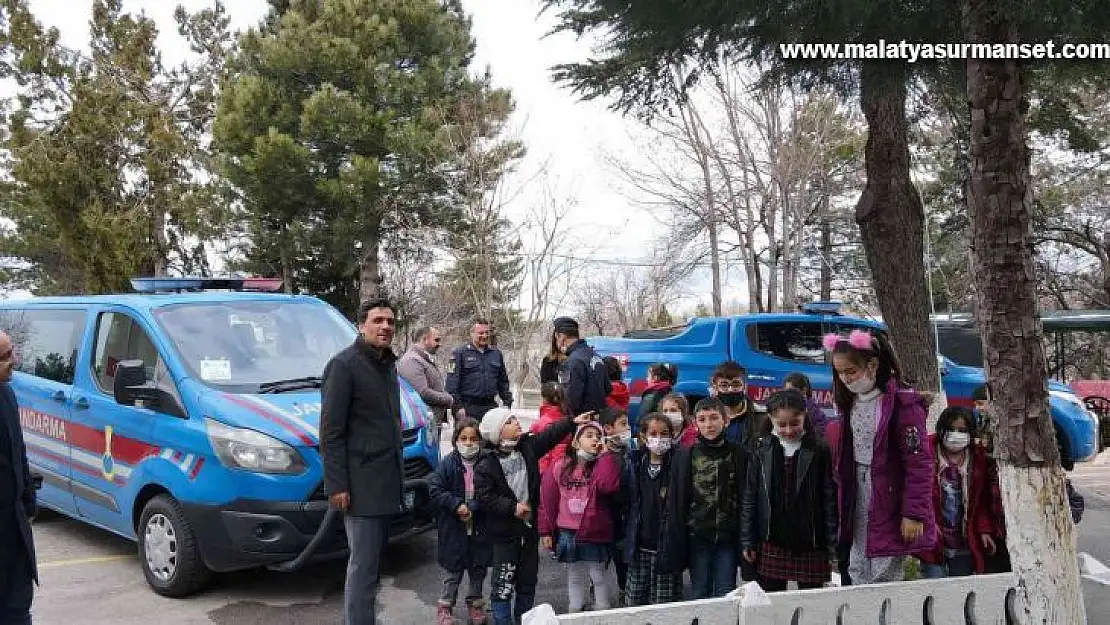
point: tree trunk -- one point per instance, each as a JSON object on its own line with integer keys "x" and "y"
{"x": 715, "y": 266}
{"x": 161, "y": 245}
{"x": 892, "y": 221}
{"x": 286, "y": 262}
{"x": 1040, "y": 532}
{"x": 826, "y": 251}
{"x": 369, "y": 267}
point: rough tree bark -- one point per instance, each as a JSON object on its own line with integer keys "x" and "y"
{"x": 1040, "y": 532}
{"x": 369, "y": 267}
{"x": 892, "y": 221}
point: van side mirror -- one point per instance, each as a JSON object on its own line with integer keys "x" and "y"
{"x": 131, "y": 386}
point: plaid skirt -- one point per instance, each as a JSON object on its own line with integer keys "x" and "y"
{"x": 806, "y": 567}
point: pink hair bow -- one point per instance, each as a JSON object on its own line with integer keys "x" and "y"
{"x": 858, "y": 339}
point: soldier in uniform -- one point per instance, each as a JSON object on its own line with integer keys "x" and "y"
{"x": 476, "y": 374}
{"x": 583, "y": 374}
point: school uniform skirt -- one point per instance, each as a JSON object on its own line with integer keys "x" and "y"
{"x": 804, "y": 567}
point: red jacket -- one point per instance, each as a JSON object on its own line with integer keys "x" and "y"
{"x": 597, "y": 519}
{"x": 619, "y": 397}
{"x": 550, "y": 414}
{"x": 689, "y": 436}
{"x": 979, "y": 516}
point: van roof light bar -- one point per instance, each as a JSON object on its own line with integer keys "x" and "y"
{"x": 822, "y": 308}
{"x": 182, "y": 285}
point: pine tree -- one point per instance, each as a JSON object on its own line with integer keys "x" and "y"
{"x": 334, "y": 128}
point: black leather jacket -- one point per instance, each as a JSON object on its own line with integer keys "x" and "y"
{"x": 813, "y": 481}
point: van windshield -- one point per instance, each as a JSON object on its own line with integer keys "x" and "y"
{"x": 253, "y": 346}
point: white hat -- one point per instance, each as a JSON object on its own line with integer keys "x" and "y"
{"x": 492, "y": 423}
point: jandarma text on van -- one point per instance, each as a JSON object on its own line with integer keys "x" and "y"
{"x": 912, "y": 52}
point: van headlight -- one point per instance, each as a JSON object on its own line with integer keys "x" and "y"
{"x": 250, "y": 450}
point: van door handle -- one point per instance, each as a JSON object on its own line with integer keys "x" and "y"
{"x": 81, "y": 403}
{"x": 59, "y": 396}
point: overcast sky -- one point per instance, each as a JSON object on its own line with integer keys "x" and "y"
{"x": 572, "y": 137}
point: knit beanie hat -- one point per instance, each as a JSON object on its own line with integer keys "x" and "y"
{"x": 495, "y": 419}
{"x": 585, "y": 426}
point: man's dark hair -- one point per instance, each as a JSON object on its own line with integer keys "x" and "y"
{"x": 480, "y": 321}
{"x": 729, "y": 370}
{"x": 421, "y": 332}
{"x": 370, "y": 304}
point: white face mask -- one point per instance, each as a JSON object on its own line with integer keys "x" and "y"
{"x": 586, "y": 456}
{"x": 469, "y": 451}
{"x": 677, "y": 421}
{"x": 863, "y": 384}
{"x": 659, "y": 446}
{"x": 620, "y": 440}
{"x": 508, "y": 444}
{"x": 956, "y": 441}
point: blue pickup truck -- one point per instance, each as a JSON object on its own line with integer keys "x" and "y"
{"x": 771, "y": 346}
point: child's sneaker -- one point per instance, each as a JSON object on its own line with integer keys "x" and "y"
{"x": 477, "y": 614}
{"x": 444, "y": 616}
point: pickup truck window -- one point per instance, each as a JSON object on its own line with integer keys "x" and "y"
{"x": 796, "y": 341}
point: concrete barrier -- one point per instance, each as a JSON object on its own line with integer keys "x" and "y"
{"x": 977, "y": 600}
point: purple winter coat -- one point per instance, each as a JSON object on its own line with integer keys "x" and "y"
{"x": 901, "y": 473}
{"x": 818, "y": 417}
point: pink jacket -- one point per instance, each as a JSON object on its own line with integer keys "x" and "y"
{"x": 901, "y": 473}
{"x": 550, "y": 415}
{"x": 597, "y": 520}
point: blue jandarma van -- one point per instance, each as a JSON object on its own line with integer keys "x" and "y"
{"x": 186, "y": 418}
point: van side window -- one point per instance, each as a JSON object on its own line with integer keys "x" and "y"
{"x": 47, "y": 340}
{"x": 788, "y": 340}
{"x": 119, "y": 338}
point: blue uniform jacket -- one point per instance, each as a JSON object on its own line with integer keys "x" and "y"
{"x": 588, "y": 385}
{"x": 474, "y": 374}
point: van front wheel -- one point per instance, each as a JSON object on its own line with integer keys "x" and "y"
{"x": 168, "y": 549}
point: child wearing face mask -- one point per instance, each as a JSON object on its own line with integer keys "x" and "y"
{"x": 702, "y": 523}
{"x": 961, "y": 499}
{"x": 464, "y": 542}
{"x": 883, "y": 465}
{"x": 677, "y": 409}
{"x": 507, "y": 485}
{"x": 647, "y": 481}
{"x": 575, "y": 520}
{"x": 747, "y": 419}
{"x": 788, "y": 514}
{"x": 619, "y": 442}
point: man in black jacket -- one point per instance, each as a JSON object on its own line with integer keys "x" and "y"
{"x": 361, "y": 442}
{"x": 583, "y": 373}
{"x": 17, "y": 505}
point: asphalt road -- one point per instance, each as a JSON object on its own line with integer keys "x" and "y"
{"x": 90, "y": 577}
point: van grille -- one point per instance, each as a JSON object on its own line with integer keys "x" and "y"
{"x": 416, "y": 468}
{"x": 409, "y": 436}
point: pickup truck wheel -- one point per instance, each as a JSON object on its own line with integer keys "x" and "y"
{"x": 168, "y": 549}
{"x": 1066, "y": 460}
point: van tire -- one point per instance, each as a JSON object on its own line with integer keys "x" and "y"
{"x": 1066, "y": 460}
{"x": 170, "y": 525}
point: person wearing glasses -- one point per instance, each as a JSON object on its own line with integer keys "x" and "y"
{"x": 418, "y": 367}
